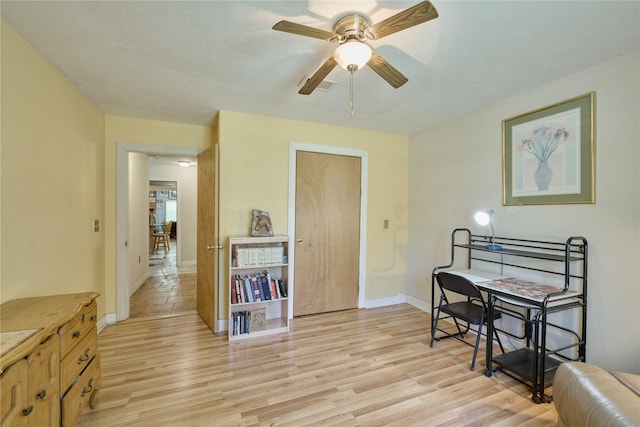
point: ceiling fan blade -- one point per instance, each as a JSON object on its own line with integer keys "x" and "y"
{"x": 304, "y": 30}
{"x": 385, "y": 70}
{"x": 422, "y": 12}
{"x": 318, "y": 76}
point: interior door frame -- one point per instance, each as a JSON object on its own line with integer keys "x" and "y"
{"x": 122, "y": 208}
{"x": 294, "y": 147}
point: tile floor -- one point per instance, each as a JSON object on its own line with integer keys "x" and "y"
{"x": 169, "y": 290}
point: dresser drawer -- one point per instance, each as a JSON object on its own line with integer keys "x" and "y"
{"x": 77, "y": 359}
{"x": 83, "y": 323}
{"x": 81, "y": 393}
{"x": 14, "y": 394}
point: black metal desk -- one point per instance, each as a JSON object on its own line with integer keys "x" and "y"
{"x": 531, "y": 303}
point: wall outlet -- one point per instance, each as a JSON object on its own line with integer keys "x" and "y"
{"x": 96, "y": 225}
{"x": 385, "y": 224}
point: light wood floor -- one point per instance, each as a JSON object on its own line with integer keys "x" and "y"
{"x": 354, "y": 368}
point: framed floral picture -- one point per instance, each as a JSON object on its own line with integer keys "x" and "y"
{"x": 548, "y": 155}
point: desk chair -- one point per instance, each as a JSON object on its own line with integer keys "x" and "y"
{"x": 161, "y": 238}
{"x": 472, "y": 311}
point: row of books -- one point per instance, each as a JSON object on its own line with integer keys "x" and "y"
{"x": 257, "y": 287}
{"x": 245, "y": 257}
{"x": 245, "y": 322}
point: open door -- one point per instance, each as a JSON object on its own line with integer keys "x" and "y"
{"x": 208, "y": 246}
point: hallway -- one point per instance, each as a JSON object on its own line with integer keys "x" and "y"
{"x": 169, "y": 290}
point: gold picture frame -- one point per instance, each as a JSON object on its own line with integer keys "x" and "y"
{"x": 548, "y": 154}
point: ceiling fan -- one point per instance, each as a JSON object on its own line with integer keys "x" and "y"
{"x": 351, "y": 32}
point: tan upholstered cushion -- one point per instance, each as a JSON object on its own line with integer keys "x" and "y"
{"x": 586, "y": 395}
{"x": 629, "y": 380}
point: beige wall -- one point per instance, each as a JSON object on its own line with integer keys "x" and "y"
{"x": 254, "y": 173}
{"x": 52, "y": 179}
{"x": 455, "y": 169}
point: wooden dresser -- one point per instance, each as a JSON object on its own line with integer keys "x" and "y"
{"x": 50, "y": 366}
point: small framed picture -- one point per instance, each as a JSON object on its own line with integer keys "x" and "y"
{"x": 258, "y": 320}
{"x": 261, "y": 224}
{"x": 173, "y": 195}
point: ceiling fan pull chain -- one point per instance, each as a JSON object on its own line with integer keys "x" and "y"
{"x": 351, "y": 95}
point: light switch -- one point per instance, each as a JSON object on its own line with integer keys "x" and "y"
{"x": 385, "y": 224}
{"x": 96, "y": 225}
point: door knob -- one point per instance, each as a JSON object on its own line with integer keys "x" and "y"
{"x": 299, "y": 241}
{"x": 210, "y": 248}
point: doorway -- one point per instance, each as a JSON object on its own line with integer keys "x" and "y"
{"x": 357, "y": 238}
{"x": 127, "y": 231}
{"x": 169, "y": 288}
{"x": 163, "y": 226}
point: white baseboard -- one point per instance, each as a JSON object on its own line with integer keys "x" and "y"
{"x": 139, "y": 283}
{"x": 383, "y": 302}
{"x": 189, "y": 262}
{"x": 417, "y": 303}
{"x": 222, "y": 325}
{"x": 107, "y": 319}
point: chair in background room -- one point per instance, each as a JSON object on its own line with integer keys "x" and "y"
{"x": 472, "y": 310}
{"x": 161, "y": 238}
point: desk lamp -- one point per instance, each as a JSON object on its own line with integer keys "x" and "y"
{"x": 484, "y": 218}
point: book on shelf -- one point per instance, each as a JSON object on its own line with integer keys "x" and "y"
{"x": 248, "y": 321}
{"x": 259, "y": 256}
{"x": 251, "y": 289}
{"x": 247, "y": 257}
{"x": 240, "y": 290}
{"x": 256, "y": 288}
{"x": 274, "y": 288}
{"x": 265, "y": 287}
{"x": 253, "y": 256}
{"x": 234, "y": 292}
{"x": 283, "y": 287}
{"x": 239, "y": 323}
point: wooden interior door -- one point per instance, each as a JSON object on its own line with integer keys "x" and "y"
{"x": 208, "y": 246}
{"x": 327, "y": 233}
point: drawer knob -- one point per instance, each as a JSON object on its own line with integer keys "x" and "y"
{"x": 94, "y": 318}
{"x": 87, "y": 388}
{"x": 83, "y": 316}
{"x": 83, "y": 357}
{"x": 26, "y": 411}
{"x": 42, "y": 394}
{"x": 76, "y": 334}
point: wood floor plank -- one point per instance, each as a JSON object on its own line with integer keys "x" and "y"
{"x": 369, "y": 367}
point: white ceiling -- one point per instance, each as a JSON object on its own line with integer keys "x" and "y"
{"x": 184, "y": 61}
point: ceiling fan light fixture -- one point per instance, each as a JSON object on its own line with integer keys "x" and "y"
{"x": 352, "y": 55}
